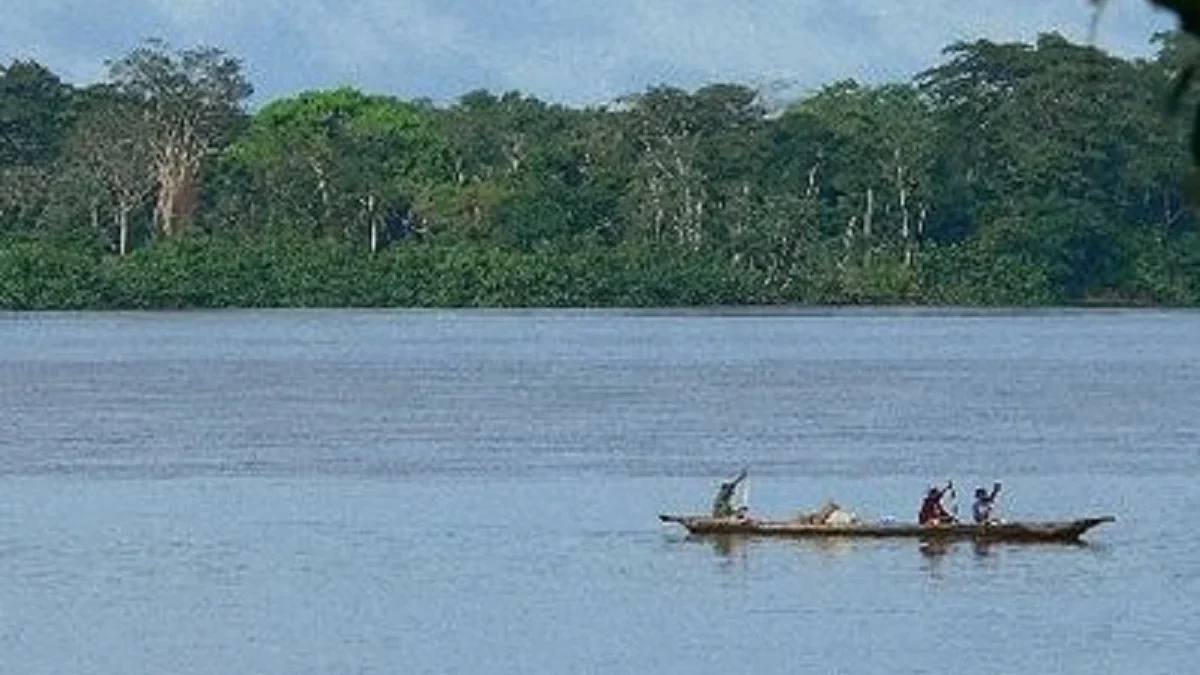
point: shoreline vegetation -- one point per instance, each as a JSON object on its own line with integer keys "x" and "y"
{"x": 1014, "y": 174}
{"x": 202, "y": 273}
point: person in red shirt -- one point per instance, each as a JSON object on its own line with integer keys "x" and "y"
{"x": 932, "y": 512}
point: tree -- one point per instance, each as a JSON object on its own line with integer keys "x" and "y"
{"x": 192, "y": 100}
{"x": 876, "y": 149}
{"x": 34, "y": 106}
{"x": 344, "y": 157}
{"x": 23, "y": 195}
{"x": 111, "y": 144}
{"x": 669, "y": 183}
{"x": 34, "y": 110}
{"x": 510, "y": 153}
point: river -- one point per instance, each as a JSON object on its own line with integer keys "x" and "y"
{"x": 472, "y": 492}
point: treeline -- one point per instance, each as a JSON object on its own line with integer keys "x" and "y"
{"x": 1008, "y": 174}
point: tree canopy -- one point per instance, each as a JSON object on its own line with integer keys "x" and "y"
{"x": 1041, "y": 172}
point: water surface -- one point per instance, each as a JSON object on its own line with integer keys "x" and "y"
{"x": 475, "y": 492}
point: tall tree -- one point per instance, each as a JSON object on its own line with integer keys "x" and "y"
{"x": 111, "y": 143}
{"x": 669, "y": 199}
{"x": 193, "y": 99}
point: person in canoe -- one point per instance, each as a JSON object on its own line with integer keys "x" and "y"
{"x": 985, "y": 503}
{"x": 726, "y": 504}
{"x": 932, "y": 512}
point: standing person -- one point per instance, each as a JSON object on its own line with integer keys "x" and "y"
{"x": 932, "y": 512}
{"x": 985, "y": 503}
{"x": 726, "y": 505}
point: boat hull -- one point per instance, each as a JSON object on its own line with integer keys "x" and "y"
{"x": 1060, "y": 531}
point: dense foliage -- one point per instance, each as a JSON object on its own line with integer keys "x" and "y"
{"x": 1008, "y": 174}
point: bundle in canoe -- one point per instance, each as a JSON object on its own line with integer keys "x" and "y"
{"x": 1028, "y": 531}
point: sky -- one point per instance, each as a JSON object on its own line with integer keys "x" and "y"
{"x": 576, "y": 52}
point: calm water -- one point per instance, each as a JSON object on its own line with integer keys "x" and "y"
{"x": 475, "y": 492}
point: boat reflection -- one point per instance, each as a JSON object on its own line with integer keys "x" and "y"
{"x": 729, "y": 545}
{"x": 938, "y": 547}
{"x": 933, "y": 549}
{"x": 724, "y": 545}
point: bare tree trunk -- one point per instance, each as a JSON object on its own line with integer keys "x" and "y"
{"x": 176, "y": 164}
{"x": 905, "y": 228}
{"x": 374, "y": 224}
{"x": 185, "y": 201}
{"x": 868, "y": 218}
{"x": 812, "y": 190}
{"x": 168, "y": 186}
{"x": 916, "y": 244}
{"x": 684, "y": 226}
{"x": 322, "y": 188}
{"x": 122, "y": 229}
{"x": 868, "y": 214}
{"x": 848, "y": 242}
{"x": 164, "y": 204}
{"x": 659, "y": 211}
{"x": 176, "y": 196}
{"x": 516, "y": 150}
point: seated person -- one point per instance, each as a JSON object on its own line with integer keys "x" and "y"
{"x": 726, "y": 505}
{"x": 932, "y": 512}
{"x": 984, "y": 504}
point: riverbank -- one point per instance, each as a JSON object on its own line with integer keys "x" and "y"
{"x": 204, "y": 272}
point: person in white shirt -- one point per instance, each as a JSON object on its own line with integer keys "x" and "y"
{"x": 984, "y": 504}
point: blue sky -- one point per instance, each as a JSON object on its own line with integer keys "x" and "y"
{"x": 570, "y": 51}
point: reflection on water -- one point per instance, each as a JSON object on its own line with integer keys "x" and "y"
{"x": 724, "y": 545}
{"x": 736, "y": 546}
{"x": 982, "y": 549}
{"x": 729, "y": 545}
{"x": 935, "y": 547}
{"x": 732, "y": 551}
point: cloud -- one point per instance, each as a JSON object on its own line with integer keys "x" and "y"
{"x": 563, "y": 50}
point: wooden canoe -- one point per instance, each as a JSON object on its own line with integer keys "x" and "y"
{"x": 1029, "y": 531}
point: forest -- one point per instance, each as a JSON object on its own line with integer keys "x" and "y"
{"x": 1044, "y": 173}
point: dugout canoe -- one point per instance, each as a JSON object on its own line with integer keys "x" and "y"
{"x": 1027, "y": 531}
